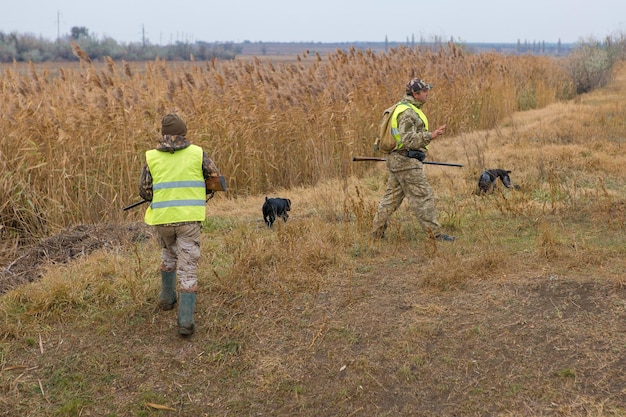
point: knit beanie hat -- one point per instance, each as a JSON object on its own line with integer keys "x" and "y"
{"x": 173, "y": 125}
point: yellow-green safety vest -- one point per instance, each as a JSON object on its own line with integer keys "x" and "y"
{"x": 178, "y": 188}
{"x": 402, "y": 106}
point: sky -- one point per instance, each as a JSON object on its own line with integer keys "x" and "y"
{"x": 326, "y": 21}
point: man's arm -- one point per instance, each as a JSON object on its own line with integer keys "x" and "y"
{"x": 412, "y": 131}
{"x": 145, "y": 184}
{"x": 209, "y": 169}
{"x": 439, "y": 131}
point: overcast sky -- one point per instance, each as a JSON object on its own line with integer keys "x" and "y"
{"x": 325, "y": 21}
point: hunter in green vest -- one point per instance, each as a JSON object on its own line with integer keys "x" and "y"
{"x": 173, "y": 181}
{"x": 409, "y": 126}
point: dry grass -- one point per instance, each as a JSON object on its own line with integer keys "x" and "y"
{"x": 74, "y": 136}
{"x": 522, "y": 316}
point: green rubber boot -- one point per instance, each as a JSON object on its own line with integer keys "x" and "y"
{"x": 185, "y": 313}
{"x": 167, "y": 298}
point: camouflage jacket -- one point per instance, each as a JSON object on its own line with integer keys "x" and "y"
{"x": 172, "y": 144}
{"x": 412, "y": 129}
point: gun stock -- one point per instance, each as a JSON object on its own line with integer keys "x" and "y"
{"x": 211, "y": 184}
{"x": 373, "y": 158}
{"x": 215, "y": 184}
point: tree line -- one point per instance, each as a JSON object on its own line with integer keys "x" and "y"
{"x": 30, "y": 48}
{"x": 589, "y": 61}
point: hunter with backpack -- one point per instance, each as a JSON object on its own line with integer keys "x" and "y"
{"x": 405, "y": 137}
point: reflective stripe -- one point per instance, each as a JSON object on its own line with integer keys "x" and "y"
{"x": 178, "y": 184}
{"x": 177, "y": 203}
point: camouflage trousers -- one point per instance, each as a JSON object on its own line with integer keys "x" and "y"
{"x": 412, "y": 184}
{"x": 181, "y": 251}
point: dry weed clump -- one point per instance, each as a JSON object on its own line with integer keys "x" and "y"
{"x": 85, "y": 289}
{"x": 289, "y": 259}
{"x": 456, "y": 270}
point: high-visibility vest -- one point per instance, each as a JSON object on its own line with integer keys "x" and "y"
{"x": 178, "y": 188}
{"x": 402, "y": 106}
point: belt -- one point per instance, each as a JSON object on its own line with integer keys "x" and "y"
{"x": 414, "y": 154}
{"x": 178, "y": 224}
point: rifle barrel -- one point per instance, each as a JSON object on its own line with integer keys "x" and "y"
{"x": 445, "y": 164}
{"x": 373, "y": 158}
{"x": 135, "y": 205}
{"x": 367, "y": 158}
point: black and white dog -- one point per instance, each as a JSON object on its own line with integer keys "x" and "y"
{"x": 488, "y": 179}
{"x": 275, "y": 207}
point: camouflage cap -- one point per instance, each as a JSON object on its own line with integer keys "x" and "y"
{"x": 416, "y": 85}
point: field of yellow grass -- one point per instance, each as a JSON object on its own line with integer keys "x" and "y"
{"x": 522, "y": 316}
{"x": 75, "y": 137}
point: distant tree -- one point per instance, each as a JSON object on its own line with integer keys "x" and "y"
{"x": 78, "y": 32}
{"x": 7, "y": 52}
{"x": 590, "y": 65}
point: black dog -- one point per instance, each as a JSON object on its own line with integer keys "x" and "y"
{"x": 275, "y": 207}
{"x": 488, "y": 180}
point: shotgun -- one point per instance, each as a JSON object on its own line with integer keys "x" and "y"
{"x": 212, "y": 184}
{"x": 373, "y": 158}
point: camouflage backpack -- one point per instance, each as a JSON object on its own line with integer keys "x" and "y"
{"x": 385, "y": 142}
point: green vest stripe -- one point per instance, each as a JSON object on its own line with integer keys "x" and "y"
{"x": 178, "y": 184}
{"x": 177, "y": 203}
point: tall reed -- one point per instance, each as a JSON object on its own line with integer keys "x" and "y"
{"x": 74, "y": 141}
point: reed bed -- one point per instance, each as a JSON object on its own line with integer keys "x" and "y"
{"x": 74, "y": 139}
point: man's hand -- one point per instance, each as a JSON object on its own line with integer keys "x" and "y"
{"x": 439, "y": 131}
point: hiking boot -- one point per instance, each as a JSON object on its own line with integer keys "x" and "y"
{"x": 167, "y": 297}
{"x": 445, "y": 238}
{"x": 185, "y": 313}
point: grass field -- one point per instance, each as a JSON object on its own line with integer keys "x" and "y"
{"x": 524, "y": 315}
{"x": 75, "y": 136}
